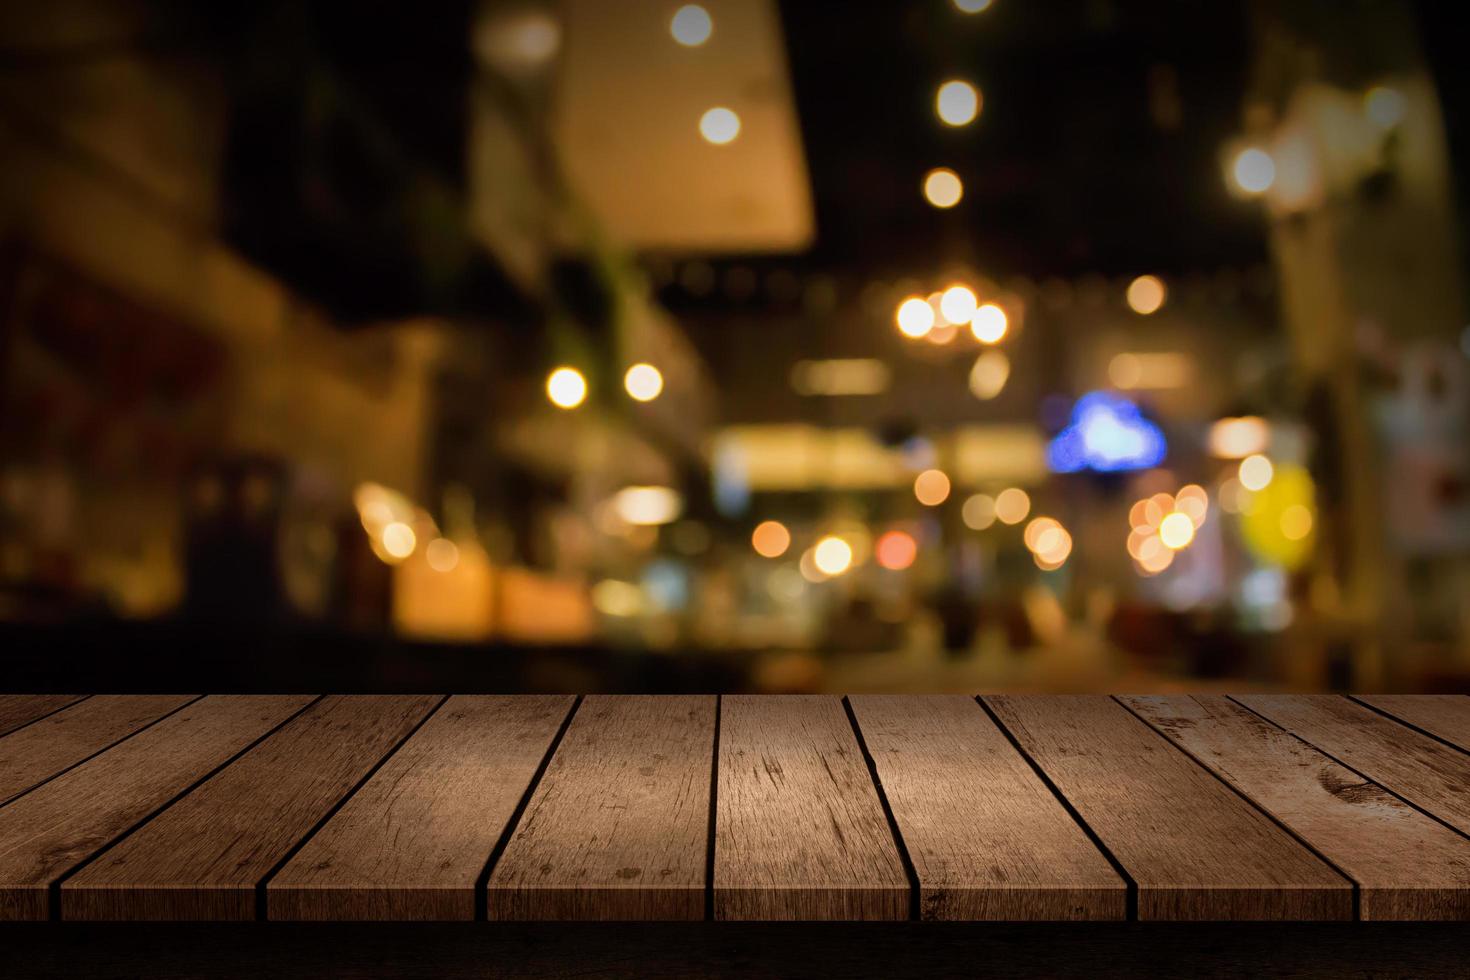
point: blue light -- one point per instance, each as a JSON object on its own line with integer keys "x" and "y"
{"x": 1107, "y": 434}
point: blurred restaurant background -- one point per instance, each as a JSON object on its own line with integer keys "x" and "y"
{"x": 943, "y": 345}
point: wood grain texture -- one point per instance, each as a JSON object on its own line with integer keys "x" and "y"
{"x": 618, "y": 826}
{"x": 46, "y": 747}
{"x": 202, "y": 857}
{"x": 412, "y": 842}
{"x": 55, "y": 827}
{"x": 986, "y": 836}
{"x": 1195, "y": 849}
{"x": 1427, "y": 773}
{"x": 1407, "y": 866}
{"x": 800, "y": 832}
{"x": 1445, "y": 716}
{"x": 22, "y": 709}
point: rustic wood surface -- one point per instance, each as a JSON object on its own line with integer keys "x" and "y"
{"x": 1445, "y": 716}
{"x": 618, "y": 827}
{"x": 57, "y": 826}
{"x": 742, "y": 807}
{"x": 800, "y": 832}
{"x": 202, "y": 857}
{"x": 988, "y": 839}
{"x": 1194, "y": 847}
{"x": 22, "y": 709}
{"x": 1407, "y": 866}
{"x": 1429, "y": 774}
{"x": 410, "y": 845}
{"x": 58, "y": 741}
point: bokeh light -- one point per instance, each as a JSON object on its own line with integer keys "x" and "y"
{"x": 1176, "y": 530}
{"x": 1385, "y": 106}
{"x": 643, "y": 382}
{"x": 1012, "y": 505}
{"x": 719, "y": 125}
{"x": 566, "y": 387}
{"x": 1255, "y": 472}
{"x": 832, "y": 555}
{"x": 931, "y": 488}
{"x": 1146, "y": 295}
{"x": 770, "y": 539}
{"x": 915, "y": 317}
{"x": 942, "y": 187}
{"x": 957, "y": 304}
{"x": 957, "y": 102}
{"x": 691, "y": 25}
{"x": 978, "y": 511}
{"x": 989, "y": 374}
{"x": 989, "y": 324}
{"x": 896, "y": 550}
{"x": 398, "y": 540}
{"x": 1238, "y": 437}
{"x": 1253, "y": 170}
{"x": 442, "y": 555}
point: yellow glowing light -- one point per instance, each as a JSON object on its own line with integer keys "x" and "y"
{"x": 1296, "y": 522}
{"x": 1053, "y": 546}
{"x": 915, "y": 317}
{"x": 442, "y": 555}
{"x": 989, "y": 374}
{"x": 719, "y": 125}
{"x": 1156, "y": 369}
{"x": 957, "y": 102}
{"x": 1255, "y": 472}
{"x": 1176, "y": 530}
{"x": 931, "y": 487}
{"x": 832, "y": 555}
{"x": 942, "y": 187}
{"x": 1193, "y": 501}
{"x": 398, "y": 540}
{"x": 614, "y": 598}
{"x": 988, "y": 324}
{"x": 691, "y": 25}
{"x": 1253, "y": 170}
{"x": 1012, "y": 505}
{"x": 770, "y": 539}
{"x": 643, "y": 382}
{"x": 1146, "y": 294}
{"x": 1236, "y": 438}
{"x": 1037, "y": 527}
{"x": 942, "y": 334}
{"x": 1156, "y": 561}
{"x": 957, "y": 304}
{"x": 1138, "y": 539}
{"x": 978, "y": 512}
{"x": 1384, "y": 106}
{"x": 648, "y": 506}
{"x": 972, "y": 6}
{"x": 566, "y": 387}
{"x": 896, "y": 550}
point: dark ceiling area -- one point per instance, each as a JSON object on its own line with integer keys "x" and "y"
{"x": 1096, "y": 150}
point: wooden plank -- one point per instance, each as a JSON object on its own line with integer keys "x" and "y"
{"x": 1445, "y": 716}
{"x": 412, "y": 842}
{"x": 618, "y": 826}
{"x": 1195, "y": 849}
{"x": 987, "y": 838}
{"x": 202, "y": 857}
{"x": 55, "y": 827}
{"x": 22, "y": 709}
{"x": 48, "y": 746}
{"x": 800, "y": 832}
{"x": 1407, "y": 866}
{"x": 1427, "y": 773}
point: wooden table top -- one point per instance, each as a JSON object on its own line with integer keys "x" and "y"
{"x": 425, "y": 807}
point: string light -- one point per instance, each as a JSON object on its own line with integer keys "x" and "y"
{"x": 989, "y": 324}
{"x": 915, "y": 317}
{"x": 643, "y": 382}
